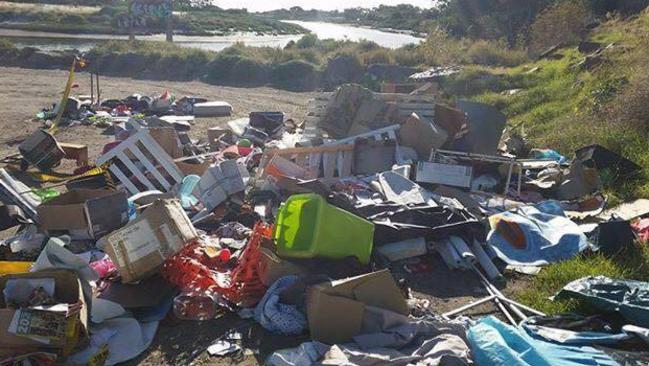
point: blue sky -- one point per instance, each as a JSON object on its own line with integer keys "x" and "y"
{"x": 262, "y": 5}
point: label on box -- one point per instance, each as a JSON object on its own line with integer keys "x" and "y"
{"x": 138, "y": 240}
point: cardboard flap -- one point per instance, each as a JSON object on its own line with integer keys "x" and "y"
{"x": 381, "y": 291}
{"x": 334, "y": 319}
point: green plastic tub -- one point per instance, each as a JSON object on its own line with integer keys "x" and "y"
{"x": 308, "y": 227}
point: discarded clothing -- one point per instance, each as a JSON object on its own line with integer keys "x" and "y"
{"x": 276, "y": 316}
{"x": 628, "y": 298}
{"x": 535, "y": 235}
{"x": 421, "y": 342}
{"x": 494, "y": 343}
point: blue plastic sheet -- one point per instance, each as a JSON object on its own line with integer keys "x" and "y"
{"x": 628, "y": 298}
{"x": 494, "y": 343}
{"x": 549, "y": 236}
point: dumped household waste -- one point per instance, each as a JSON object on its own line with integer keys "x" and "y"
{"x": 318, "y": 227}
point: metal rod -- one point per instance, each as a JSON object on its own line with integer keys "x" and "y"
{"x": 502, "y": 307}
{"x": 469, "y": 306}
{"x": 524, "y": 307}
{"x": 492, "y": 289}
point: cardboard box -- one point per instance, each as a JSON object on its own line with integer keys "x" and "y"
{"x": 219, "y": 182}
{"x": 68, "y": 290}
{"x": 272, "y": 267}
{"x": 85, "y": 213}
{"x": 335, "y": 309}
{"x": 141, "y": 247}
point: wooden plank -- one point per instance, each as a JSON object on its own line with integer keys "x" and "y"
{"x": 346, "y": 169}
{"x": 329, "y": 161}
{"x": 310, "y": 150}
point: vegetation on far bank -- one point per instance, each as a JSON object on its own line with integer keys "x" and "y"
{"x": 188, "y": 20}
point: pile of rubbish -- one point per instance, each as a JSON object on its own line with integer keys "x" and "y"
{"x": 303, "y": 227}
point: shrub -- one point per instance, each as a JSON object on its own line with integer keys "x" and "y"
{"x": 6, "y": 45}
{"x": 250, "y": 72}
{"x": 562, "y": 23}
{"x": 377, "y": 56}
{"x": 295, "y": 75}
{"x": 483, "y": 52}
{"x": 307, "y": 41}
{"x": 220, "y": 69}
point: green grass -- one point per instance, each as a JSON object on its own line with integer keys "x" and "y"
{"x": 631, "y": 264}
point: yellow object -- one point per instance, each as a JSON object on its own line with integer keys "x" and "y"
{"x": 54, "y": 177}
{"x": 64, "y": 99}
{"x": 14, "y": 267}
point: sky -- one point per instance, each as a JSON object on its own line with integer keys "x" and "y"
{"x": 263, "y": 5}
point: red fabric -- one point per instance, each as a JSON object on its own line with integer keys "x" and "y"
{"x": 641, "y": 227}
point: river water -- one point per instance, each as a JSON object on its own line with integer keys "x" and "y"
{"x": 84, "y": 42}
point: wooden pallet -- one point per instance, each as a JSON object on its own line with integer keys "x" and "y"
{"x": 148, "y": 165}
{"x": 423, "y": 105}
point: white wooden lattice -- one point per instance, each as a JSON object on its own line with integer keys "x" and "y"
{"x": 145, "y": 163}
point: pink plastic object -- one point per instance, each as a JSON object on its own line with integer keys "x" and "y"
{"x": 103, "y": 267}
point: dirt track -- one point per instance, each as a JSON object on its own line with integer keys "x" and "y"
{"x": 24, "y": 92}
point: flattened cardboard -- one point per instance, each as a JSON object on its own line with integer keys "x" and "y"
{"x": 94, "y": 211}
{"x": 422, "y": 135}
{"x": 148, "y": 293}
{"x": 141, "y": 247}
{"x": 335, "y": 309}
{"x": 68, "y": 289}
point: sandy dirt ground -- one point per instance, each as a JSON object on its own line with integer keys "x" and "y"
{"x": 24, "y": 92}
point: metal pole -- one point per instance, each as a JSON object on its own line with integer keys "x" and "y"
{"x": 469, "y": 306}
{"x": 131, "y": 29}
{"x": 493, "y": 290}
{"x": 98, "y": 90}
{"x": 524, "y": 307}
{"x": 170, "y": 23}
{"x": 92, "y": 89}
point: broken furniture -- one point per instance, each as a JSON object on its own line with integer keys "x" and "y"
{"x": 459, "y": 165}
{"x": 404, "y": 104}
{"x": 321, "y": 161}
{"x": 140, "y": 164}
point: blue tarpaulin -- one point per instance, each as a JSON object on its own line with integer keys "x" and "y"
{"x": 494, "y": 343}
{"x": 535, "y": 235}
